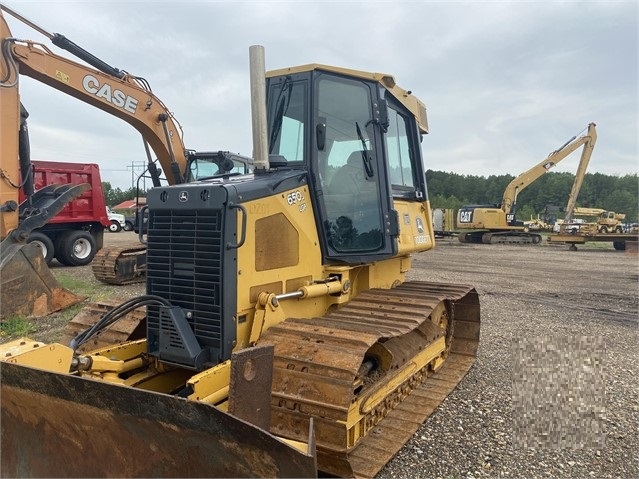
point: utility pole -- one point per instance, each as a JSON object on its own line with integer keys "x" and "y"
{"x": 136, "y": 166}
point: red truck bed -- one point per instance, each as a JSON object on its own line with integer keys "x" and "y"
{"x": 90, "y": 206}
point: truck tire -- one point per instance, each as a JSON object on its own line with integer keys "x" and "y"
{"x": 45, "y": 244}
{"x": 128, "y": 225}
{"x": 619, "y": 245}
{"x": 76, "y": 248}
{"x": 115, "y": 227}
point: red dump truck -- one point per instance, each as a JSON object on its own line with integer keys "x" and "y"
{"x": 75, "y": 234}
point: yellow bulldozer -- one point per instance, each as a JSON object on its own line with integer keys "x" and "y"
{"x": 279, "y": 334}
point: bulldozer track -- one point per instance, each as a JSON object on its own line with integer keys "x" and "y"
{"x": 129, "y": 327}
{"x": 120, "y": 265}
{"x": 403, "y": 334}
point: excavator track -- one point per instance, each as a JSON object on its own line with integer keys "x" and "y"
{"x": 371, "y": 372}
{"x": 121, "y": 265}
{"x": 511, "y": 238}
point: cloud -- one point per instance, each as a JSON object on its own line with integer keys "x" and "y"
{"x": 505, "y": 83}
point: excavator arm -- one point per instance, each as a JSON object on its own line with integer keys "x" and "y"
{"x": 116, "y": 92}
{"x": 515, "y": 187}
{"x": 589, "y": 143}
{"x": 113, "y": 91}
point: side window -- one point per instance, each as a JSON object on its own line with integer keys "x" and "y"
{"x": 399, "y": 160}
{"x": 291, "y": 145}
{"x": 209, "y": 167}
{"x": 202, "y": 169}
{"x": 286, "y": 118}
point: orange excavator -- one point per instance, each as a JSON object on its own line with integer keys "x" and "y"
{"x": 115, "y": 92}
{"x": 280, "y": 333}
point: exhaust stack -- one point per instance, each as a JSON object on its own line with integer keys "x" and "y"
{"x": 258, "y": 108}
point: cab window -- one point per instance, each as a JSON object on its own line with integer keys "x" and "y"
{"x": 348, "y": 167}
{"x": 399, "y": 159}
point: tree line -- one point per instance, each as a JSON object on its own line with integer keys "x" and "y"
{"x": 114, "y": 196}
{"x": 547, "y": 196}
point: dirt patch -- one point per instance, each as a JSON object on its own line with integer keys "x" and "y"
{"x": 532, "y": 298}
{"x": 80, "y": 280}
{"x": 566, "y": 306}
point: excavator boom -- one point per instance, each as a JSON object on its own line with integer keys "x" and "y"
{"x": 528, "y": 177}
{"x": 113, "y": 91}
{"x": 118, "y": 93}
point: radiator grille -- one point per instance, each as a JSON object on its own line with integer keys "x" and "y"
{"x": 184, "y": 265}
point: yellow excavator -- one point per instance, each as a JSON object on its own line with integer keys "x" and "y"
{"x": 280, "y": 335}
{"x": 494, "y": 224}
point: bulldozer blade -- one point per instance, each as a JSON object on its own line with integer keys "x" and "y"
{"x": 28, "y": 286}
{"x": 61, "y": 425}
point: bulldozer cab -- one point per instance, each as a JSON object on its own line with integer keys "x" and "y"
{"x": 361, "y": 149}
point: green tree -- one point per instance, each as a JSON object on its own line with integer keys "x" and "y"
{"x": 619, "y": 194}
{"x": 114, "y": 196}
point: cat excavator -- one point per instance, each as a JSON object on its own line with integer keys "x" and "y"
{"x": 280, "y": 333}
{"x": 493, "y": 224}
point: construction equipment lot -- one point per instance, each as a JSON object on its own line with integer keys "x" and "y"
{"x": 553, "y": 392}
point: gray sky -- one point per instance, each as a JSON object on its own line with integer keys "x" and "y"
{"x": 505, "y": 83}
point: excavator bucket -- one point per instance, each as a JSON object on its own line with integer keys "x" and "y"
{"x": 28, "y": 287}
{"x": 60, "y": 425}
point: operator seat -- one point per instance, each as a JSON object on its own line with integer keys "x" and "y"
{"x": 351, "y": 178}
{"x": 352, "y": 199}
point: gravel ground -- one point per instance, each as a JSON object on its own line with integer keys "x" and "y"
{"x": 553, "y": 392}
